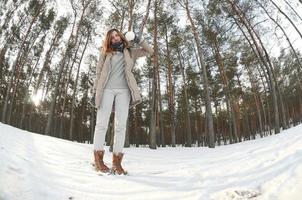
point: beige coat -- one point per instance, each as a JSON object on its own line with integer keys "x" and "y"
{"x": 103, "y": 69}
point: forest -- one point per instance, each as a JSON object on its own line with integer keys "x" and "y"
{"x": 222, "y": 72}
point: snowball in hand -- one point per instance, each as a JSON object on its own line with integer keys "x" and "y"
{"x": 129, "y": 36}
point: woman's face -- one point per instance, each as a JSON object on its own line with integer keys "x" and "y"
{"x": 115, "y": 37}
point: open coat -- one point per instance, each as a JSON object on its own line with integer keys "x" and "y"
{"x": 103, "y": 70}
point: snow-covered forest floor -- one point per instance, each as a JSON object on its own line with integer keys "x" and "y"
{"x": 34, "y": 166}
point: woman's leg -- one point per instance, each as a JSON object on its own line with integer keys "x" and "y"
{"x": 102, "y": 119}
{"x": 122, "y": 101}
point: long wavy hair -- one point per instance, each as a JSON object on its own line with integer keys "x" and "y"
{"x": 106, "y": 48}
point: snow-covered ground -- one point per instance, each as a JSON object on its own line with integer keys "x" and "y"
{"x": 34, "y": 166}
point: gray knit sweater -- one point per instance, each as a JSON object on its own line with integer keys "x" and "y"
{"x": 116, "y": 77}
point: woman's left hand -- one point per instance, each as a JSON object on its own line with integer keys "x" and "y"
{"x": 131, "y": 36}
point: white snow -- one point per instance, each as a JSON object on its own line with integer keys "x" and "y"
{"x": 34, "y": 166}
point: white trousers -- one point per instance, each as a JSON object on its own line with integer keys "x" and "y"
{"x": 122, "y": 99}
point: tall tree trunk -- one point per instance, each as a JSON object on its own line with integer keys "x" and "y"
{"x": 145, "y": 17}
{"x": 131, "y": 4}
{"x": 269, "y": 125}
{"x": 72, "y": 41}
{"x": 209, "y": 115}
{"x": 265, "y": 75}
{"x": 135, "y": 127}
{"x": 84, "y": 115}
{"x": 283, "y": 114}
{"x": 187, "y": 106}
{"x": 226, "y": 88}
{"x": 152, "y": 134}
{"x": 15, "y": 64}
{"x": 161, "y": 122}
{"x": 92, "y": 123}
{"x": 138, "y": 125}
{"x": 160, "y": 117}
{"x": 27, "y": 96}
{"x": 75, "y": 90}
{"x": 22, "y": 61}
{"x": 170, "y": 92}
{"x": 3, "y": 64}
{"x": 265, "y": 123}
{"x": 265, "y": 60}
{"x": 284, "y": 120}
{"x": 47, "y": 61}
{"x": 65, "y": 86}
{"x": 127, "y": 137}
{"x": 196, "y": 123}
{"x": 256, "y": 99}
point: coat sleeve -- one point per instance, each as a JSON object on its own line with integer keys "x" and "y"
{"x": 99, "y": 67}
{"x": 144, "y": 50}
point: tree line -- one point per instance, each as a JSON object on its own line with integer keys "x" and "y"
{"x": 213, "y": 80}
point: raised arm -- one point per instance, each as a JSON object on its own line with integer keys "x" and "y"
{"x": 144, "y": 50}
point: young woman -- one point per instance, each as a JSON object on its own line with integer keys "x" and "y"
{"x": 115, "y": 82}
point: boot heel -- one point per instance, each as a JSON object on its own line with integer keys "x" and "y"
{"x": 116, "y": 164}
{"x": 99, "y": 163}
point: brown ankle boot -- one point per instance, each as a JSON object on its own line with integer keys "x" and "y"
{"x": 98, "y": 161}
{"x": 116, "y": 164}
